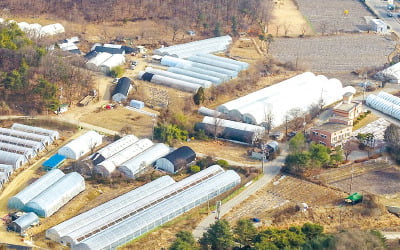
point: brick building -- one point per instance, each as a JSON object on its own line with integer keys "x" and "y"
{"x": 346, "y": 111}
{"x": 330, "y": 134}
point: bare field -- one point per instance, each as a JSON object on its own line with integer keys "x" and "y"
{"x": 334, "y": 54}
{"x": 329, "y": 16}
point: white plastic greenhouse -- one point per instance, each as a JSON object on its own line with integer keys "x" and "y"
{"x": 202, "y": 83}
{"x": 16, "y": 160}
{"x": 243, "y": 65}
{"x": 216, "y": 63}
{"x": 197, "y": 73}
{"x": 46, "y": 140}
{"x": 113, "y": 148}
{"x": 7, "y": 169}
{"x": 391, "y": 73}
{"x": 19, "y": 200}
{"x": 383, "y": 106}
{"x": 109, "y": 165}
{"x": 114, "y": 61}
{"x": 171, "y": 82}
{"x": 211, "y": 45}
{"x": 188, "y": 64}
{"x": 161, "y": 213}
{"x": 36, "y": 130}
{"x": 58, "y": 232}
{"x": 36, "y": 146}
{"x": 57, "y": 195}
{"x": 283, "y": 97}
{"x": 81, "y": 145}
{"x": 236, "y": 125}
{"x": 136, "y": 165}
{"x": 389, "y": 97}
{"x": 26, "y": 152}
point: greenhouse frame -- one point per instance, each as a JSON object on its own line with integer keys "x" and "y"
{"x": 57, "y": 195}
{"x": 383, "y": 106}
{"x": 135, "y": 166}
{"x": 45, "y": 139}
{"x": 36, "y": 146}
{"x": 36, "y": 130}
{"x": 176, "y": 160}
{"x": 201, "y": 82}
{"x": 27, "y": 152}
{"x": 161, "y": 213}
{"x": 113, "y": 148}
{"x": 109, "y": 165}
{"x": 19, "y": 200}
{"x": 81, "y": 145}
{"x": 58, "y": 232}
{"x": 9, "y": 158}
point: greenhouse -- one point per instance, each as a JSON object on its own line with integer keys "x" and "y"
{"x": 36, "y": 146}
{"x": 243, "y": 65}
{"x": 161, "y": 213}
{"x": 389, "y": 97}
{"x": 57, "y": 195}
{"x": 100, "y": 212}
{"x": 176, "y": 160}
{"x": 136, "y": 165}
{"x": 36, "y": 130}
{"x": 391, "y": 73}
{"x": 7, "y": 169}
{"x": 46, "y": 140}
{"x": 81, "y": 145}
{"x": 228, "y": 133}
{"x": 16, "y": 160}
{"x": 27, "y": 152}
{"x": 113, "y": 148}
{"x": 201, "y": 82}
{"x": 208, "y": 112}
{"x": 279, "y": 99}
{"x": 170, "y": 82}
{"x": 216, "y": 63}
{"x": 197, "y": 73}
{"x": 19, "y": 200}
{"x": 122, "y": 89}
{"x": 23, "y": 222}
{"x": 108, "y": 166}
{"x": 383, "y": 106}
{"x": 211, "y": 45}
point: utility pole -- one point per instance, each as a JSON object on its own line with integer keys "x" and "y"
{"x": 219, "y": 203}
{"x": 351, "y": 179}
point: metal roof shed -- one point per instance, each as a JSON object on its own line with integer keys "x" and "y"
{"x": 176, "y": 160}
{"x": 36, "y": 130}
{"x": 54, "y": 162}
{"x": 57, "y": 195}
{"x": 23, "y": 222}
{"x": 122, "y": 89}
{"x": 16, "y": 160}
{"x": 81, "y": 145}
{"x": 136, "y": 165}
{"x": 19, "y": 200}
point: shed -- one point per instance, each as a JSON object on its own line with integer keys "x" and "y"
{"x": 54, "y": 162}
{"x": 81, "y": 145}
{"x": 23, "y": 222}
{"x": 136, "y": 104}
{"x": 176, "y": 160}
{"x": 122, "y": 89}
{"x": 379, "y": 26}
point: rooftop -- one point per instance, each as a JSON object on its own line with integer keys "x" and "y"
{"x": 332, "y": 127}
{"x": 346, "y": 106}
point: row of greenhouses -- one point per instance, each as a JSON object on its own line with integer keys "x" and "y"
{"x": 128, "y": 216}
{"x": 48, "y": 194}
{"x": 385, "y": 103}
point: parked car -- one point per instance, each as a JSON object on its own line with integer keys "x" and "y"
{"x": 389, "y": 14}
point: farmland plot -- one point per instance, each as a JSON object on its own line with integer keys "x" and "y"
{"x": 334, "y": 54}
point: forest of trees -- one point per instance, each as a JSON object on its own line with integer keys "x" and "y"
{"x": 32, "y": 78}
{"x": 206, "y": 14}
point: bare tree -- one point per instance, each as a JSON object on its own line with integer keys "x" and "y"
{"x": 297, "y": 116}
{"x": 286, "y": 28}
{"x": 348, "y": 147}
{"x": 268, "y": 119}
{"x": 303, "y": 30}
{"x": 217, "y": 127}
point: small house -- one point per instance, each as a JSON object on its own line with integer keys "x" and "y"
{"x": 122, "y": 89}
{"x": 62, "y": 108}
{"x": 378, "y": 26}
{"x": 176, "y": 160}
{"x": 24, "y": 222}
{"x": 141, "y": 49}
{"x": 136, "y": 104}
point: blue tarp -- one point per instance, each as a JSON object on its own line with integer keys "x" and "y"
{"x": 54, "y": 161}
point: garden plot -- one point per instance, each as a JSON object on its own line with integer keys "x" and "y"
{"x": 329, "y": 17}
{"x": 334, "y": 54}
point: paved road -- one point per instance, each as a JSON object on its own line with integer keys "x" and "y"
{"x": 379, "y": 8}
{"x": 271, "y": 169}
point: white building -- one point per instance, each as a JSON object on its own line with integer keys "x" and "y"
{"x": 378, "y": 26}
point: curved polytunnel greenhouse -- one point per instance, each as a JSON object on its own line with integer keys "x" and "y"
{"x": 36, "y": 146}
{"x": 57, "y": 195}
{"x": 5, "y": 168}
{"x": 109, "y": 165}
{"x": 197, "y": 73}
{"x": 36, "y": 130}
{"x": 46, "y": 140}
{"x": 100, "y": 212}
{"x": 389, "y": 97}
{"x": 136, "y": 165}
{"x": 113, "y": 148}
{"x": 383, "y": 106}
{"x": 19, "y": 200}
{"x": 16, "y": 160}
{"x": 188, "y": 64}
{"x": 208, "y": 112}
{"x": 169, "y": 82}
{"x": 81, "y": 145}
{"x": 202, "y": 83}
{"x": 176, "y": 160}
{"x": 243, "y": 65}
{"x": 161, "y": 213}
{"x": 27, "y": 152}
{"x": 215, "y": 63}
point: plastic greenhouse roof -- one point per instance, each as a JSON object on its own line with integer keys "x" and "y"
{"x": 25, "y": 135}
{"x": 100, "y": 212}
{"x": 117, "y": 146}
{"x": 11, "y": 158}
{"x": 28, "y": 152}
{"x": 36, "y": 130}
{"x": 197, "y": 73}
{"x": 37, "y": 146}
{"x": 383, "y": 105}
{"x": 215, "y": 63}
{"x": 233, "y": 124}
{"x": 389, "y": 97}
{"x": 203, "y": 83}
{"x": 19, "y": 200}
{"x": 162, "y": 212}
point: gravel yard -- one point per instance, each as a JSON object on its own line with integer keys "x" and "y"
{"x": 334, "y": 54}
{"x": 329, "y": 17}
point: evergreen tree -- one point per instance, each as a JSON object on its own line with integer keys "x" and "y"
{"x": 218, "y": 237}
